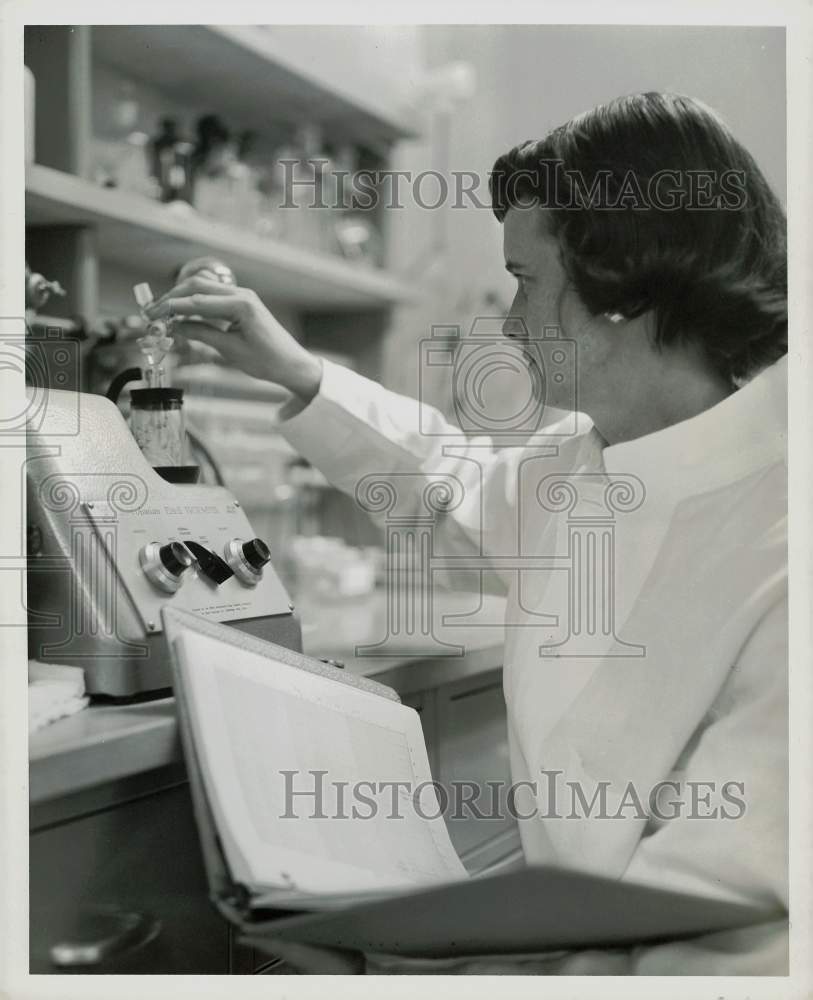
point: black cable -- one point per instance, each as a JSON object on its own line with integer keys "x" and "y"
{"x": 201, "y": 447}
{"x": 119, "y": 382}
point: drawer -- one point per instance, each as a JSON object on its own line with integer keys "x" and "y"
{"x": 141, "y": 857}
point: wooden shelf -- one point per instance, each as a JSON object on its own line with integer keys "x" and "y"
{"x": 252, "y": 72}
{"x": 154, "y": 239}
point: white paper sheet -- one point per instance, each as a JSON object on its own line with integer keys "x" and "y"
{"x": 353, "y": 828}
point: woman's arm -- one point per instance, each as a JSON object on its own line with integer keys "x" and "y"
{"x": 389, "y": 451}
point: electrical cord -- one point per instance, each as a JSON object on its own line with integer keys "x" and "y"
{"x": 198, "y": 445}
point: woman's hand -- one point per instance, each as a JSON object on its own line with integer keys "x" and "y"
{"x": 254, "y": 340}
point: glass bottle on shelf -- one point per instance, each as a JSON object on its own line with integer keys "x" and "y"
{"x": 172, "y": 163}
{"x": 355, "y": 234}
{"x": 120, "y": 154}
{"x": 329, "y": 203}
{"x": 210, "y": 158}
{"x": 244, "y": 182}
{"x": 226, "y": 183}
{"x": 133, "y": 170}
{"x": 133, "y": 163}
{"x": 273, "y": 220}
{"x": 302, "y": 188}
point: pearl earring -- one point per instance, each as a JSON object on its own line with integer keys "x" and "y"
{"x": 614, "y": 317}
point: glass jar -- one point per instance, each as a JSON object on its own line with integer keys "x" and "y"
{"x": 157, "y": 424}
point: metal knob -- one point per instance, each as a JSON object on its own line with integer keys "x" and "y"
{"x": 247, "y": 559}
{"x": 165, "y": 565}
{"x": 256, "y": 553}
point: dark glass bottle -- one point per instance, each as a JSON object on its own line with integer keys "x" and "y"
{"x": 172, "y": 163}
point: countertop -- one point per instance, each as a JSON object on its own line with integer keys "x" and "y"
{"x": 104, "y": 743}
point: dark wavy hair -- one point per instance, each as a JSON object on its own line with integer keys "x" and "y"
{"x": 657, "y": 207}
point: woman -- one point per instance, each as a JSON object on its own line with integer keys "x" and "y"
{"x": 653, "y": 689}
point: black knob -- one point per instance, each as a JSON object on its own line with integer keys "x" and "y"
{"x": 175, "y": 558}
{"x": 256, "y": 553}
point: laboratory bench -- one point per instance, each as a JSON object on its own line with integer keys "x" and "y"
{"x": 111, "y": 821}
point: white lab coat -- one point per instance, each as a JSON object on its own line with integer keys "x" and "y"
{"x": 674, "y": 665}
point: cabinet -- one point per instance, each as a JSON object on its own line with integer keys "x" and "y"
{"x": 127, "y": 850}
{"x": 141, "y": 858}
{"x": 123, "y": 854}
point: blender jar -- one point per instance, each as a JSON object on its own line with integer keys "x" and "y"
{"x": 156, "y": 422}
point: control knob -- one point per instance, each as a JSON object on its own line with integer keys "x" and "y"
{"x": 247, "y": 559}
{"x": 165, "y": 565}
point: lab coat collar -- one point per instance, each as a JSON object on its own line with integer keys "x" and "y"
{"x": 743, "y": 433}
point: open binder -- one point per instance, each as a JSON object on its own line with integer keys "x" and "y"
{"x": 428, "y": 907}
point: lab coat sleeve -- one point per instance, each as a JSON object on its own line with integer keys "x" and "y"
{"x": 387, "y": 451}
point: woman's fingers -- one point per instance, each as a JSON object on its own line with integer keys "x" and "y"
{"x": 230, "y": 347}
{"x": 317, "y": 961}
{"x": 200, "y": 304}
{"x": 197, "y": 285}
{"x": 191, "y": 349}
{"x": 201, "y": 331}
{"x": 253, "y": 339}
